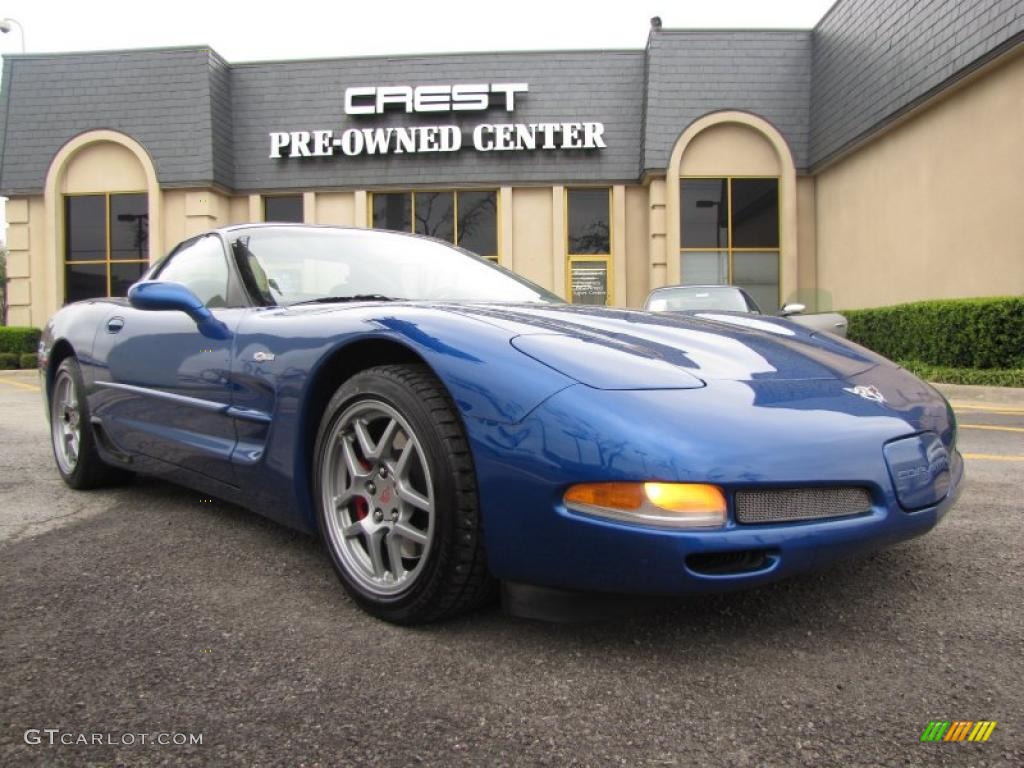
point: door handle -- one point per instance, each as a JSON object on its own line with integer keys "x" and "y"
{"x": 115, "y": 324}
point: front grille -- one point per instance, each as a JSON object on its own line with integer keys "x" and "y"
{"x": 788, "y": 504}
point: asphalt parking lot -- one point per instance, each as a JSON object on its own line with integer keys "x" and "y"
{"x": 142, "y": 610}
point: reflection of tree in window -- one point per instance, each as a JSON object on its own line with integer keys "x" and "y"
{"x": 435, "y": 216}
{"x": 129, "y": 227}
{"x": 392, "y": 210}
{"x": 589, "y": 227}
{"x": 478, "y": 222}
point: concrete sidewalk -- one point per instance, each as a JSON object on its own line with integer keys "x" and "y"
{"x": 963, "y": 393}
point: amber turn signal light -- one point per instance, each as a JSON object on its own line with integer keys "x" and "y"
{"x": 671, "y": 505}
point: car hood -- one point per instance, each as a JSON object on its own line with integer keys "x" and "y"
{"x": 625, "y": 349}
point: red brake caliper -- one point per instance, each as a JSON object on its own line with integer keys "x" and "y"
{"x": 360, "y": 508}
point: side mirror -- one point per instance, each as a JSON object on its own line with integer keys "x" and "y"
{"x": 161, "y": 296}
{"x": 792, "y": 309}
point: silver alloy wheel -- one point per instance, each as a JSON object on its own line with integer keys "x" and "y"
{"x": 378, "y": 497}
{"x": 65, "y": 423}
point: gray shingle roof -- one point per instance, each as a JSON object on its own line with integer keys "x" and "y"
{"x": 205, "y": 121}
{"x": 597, "y": 86}
{"x": 693, "y": 73}
{"x": 874, "y": 59}
{"x": 160, "y": 98}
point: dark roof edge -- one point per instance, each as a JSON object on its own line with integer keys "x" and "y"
{"x": 448, "y": 54}
{"x": 742, "y": 30}
{"x": 100, "y": 52}
{"x": 1003, "y": 51}
{"x": 5, "y": 103}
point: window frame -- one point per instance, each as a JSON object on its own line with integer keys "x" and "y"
{"x": 106, "y": 261}
{"x": 302, "y": 207}
{"x": 236, "y": 296}
{"x": 607, "y": 258}
{"x": 454, "y": 191}
{"x": 729, "y": 250}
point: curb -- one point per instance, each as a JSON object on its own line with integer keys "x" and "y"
{"x": 1011, "y": 397}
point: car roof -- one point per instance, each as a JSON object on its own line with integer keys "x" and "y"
{"x": 299, "y": 225}
{"x": 700, "y": 285}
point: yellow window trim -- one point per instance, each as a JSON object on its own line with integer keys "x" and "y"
{"x": 106, "y": 229}
{"x": 729, "y": 250}
{"x": 264, "y": 198}
{"x": 571, "y": 258}
{"x": 454, "y": 191}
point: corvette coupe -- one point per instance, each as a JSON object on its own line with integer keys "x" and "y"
{"x": 444, "y": 425}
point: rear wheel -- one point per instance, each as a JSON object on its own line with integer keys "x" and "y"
{"x": 397, "y": 497}
{"x": 74, "y": 444}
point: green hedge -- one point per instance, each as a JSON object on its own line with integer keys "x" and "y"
{"x": 28, "y": 360}
{"x": 17, "y": 339}
{"x": 989, "y": 377}
{"x": 952, "y": 333}
{"x": 8, "y": 361}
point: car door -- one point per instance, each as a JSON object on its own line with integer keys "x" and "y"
{"x": 163, "y": 389}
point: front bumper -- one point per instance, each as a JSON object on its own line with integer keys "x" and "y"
{"x": 533, "y": 539}
{"x": 606, "y": 556}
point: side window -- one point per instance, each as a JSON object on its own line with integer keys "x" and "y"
{"x": 201, "y": 267}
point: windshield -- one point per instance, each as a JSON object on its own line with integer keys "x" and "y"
{"x": 290, "y": 265}
{"x": 722, "y": 298}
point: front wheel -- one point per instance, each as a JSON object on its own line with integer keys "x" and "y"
{"x": 397, "y": 498}
{"x": 74, "y": 444}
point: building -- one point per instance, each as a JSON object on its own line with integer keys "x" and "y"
{"x": 871, "y": 160}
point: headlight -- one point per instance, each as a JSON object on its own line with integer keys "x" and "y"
{"x": 670, "y": 505}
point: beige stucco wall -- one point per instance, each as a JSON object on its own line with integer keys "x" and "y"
{"x": 532, "y": 239}
{"x": 933, "y": 208}
{"x": 729, "y": 149}
{"x": 807, "y": 243}
{"x": 337, "y": 208}
{"x": 103, "y": 167}
{"x": 636, "y": 259}
{"x": 27, "y": 266}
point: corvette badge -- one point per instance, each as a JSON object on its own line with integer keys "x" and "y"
{"x": 868, "y": 392}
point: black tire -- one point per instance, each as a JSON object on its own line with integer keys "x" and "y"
{"x": 88, "y": 470}
{"x": 453, "y": 576}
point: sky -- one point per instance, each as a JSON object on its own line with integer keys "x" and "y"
{"x": 256, "y": 31}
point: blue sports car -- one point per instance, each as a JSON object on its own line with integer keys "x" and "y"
{"x": 443, "y": 424}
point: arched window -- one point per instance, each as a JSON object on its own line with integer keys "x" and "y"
{"x": 733, "y": 201}
{"x": 102, "y": 204}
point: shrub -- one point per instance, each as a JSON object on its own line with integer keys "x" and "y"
{"x": 28, "y": 360}
{"x": 990, "y": 377}
{"x": 17, "y": 339}
{"x": 952, "y": 333}
{"x": 8, "y": 361}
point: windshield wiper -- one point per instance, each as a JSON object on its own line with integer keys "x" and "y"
{"x": 342, "y": 299}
